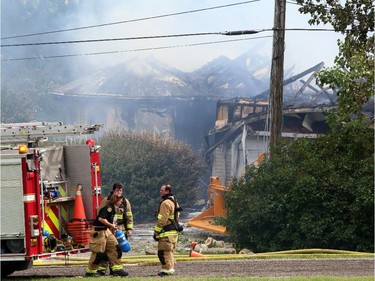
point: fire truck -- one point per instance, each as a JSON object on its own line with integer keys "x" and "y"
{"x": 41, "y": 168}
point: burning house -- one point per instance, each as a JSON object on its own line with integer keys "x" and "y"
{"x": 241, "y": 133}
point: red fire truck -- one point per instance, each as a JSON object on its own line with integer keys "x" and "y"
{"x": 38, "y": 187}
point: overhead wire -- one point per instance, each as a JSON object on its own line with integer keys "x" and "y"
{"x": 129, "y": 21}
{"x": 135, "y": 50}
{"x": 228, "y": 33}
{"x": 131, "y": 38}
{"x": 293, "y": 2}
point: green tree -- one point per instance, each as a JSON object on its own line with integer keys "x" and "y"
{"x": 143, "y": 162}
{"x": 311, "y": 194}
{"x": 353, "y": 72}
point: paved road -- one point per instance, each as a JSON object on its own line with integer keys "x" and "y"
{"x": 228, "y": 268}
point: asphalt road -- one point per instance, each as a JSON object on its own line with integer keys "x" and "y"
{"x": 142, "y": 241}
{"x": 227, "y": 268}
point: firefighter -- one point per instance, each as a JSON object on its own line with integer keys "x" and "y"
{"x": 123, "y": 219}
{"x": 103, "y": 243}
{"x": 166, "y": 230}
{"x": 124, "y": 215}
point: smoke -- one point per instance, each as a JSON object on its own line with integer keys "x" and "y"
{"x": 303, "y": 48}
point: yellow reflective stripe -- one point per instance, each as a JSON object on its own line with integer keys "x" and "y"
{"x": 64, "y": 214}
{"x": 129, "y": 226}
{"x": 129, "y": 214}
{"x": 171, "y": 217}
{"x": 88, "y": 270}
{"x": 159, "y": 216}
{"x": 157, "y": 228}
{"x": 116, "y": 267}
{"x": 167, "y": 233}
{"x": 102, "y": 268}
{"x": 118, "y": 216}
{"x": 53, "y": 222}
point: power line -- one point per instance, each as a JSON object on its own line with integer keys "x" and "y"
{"x": 129, "y": 21}
{"x": 242, "y": 32}
{"x": 294, "y": 3}
{"x": 135, "y": 50}
{"x": 228, "y": 33}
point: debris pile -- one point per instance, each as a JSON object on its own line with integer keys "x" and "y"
{"x": 209, "y": 246}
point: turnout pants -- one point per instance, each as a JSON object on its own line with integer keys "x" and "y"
{"x": 103, "y": 247}
{"x": 103, "y": 265}
{"x": 166, "y": 248}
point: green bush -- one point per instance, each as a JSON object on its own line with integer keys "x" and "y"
{"x": 310, "y": 194}
{"x": 143, "y": 162}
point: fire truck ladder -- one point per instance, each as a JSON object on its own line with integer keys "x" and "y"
{"x": 34, "y": 132}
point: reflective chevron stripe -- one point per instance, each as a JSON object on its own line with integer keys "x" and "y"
{"x": 51, "y": 222}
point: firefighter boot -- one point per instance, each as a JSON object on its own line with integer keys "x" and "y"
{"x": 120, "y": 273}
{"x": 164, "y": 272}
{"x": 92, "y": 274}
{"x": 101, "y": 272}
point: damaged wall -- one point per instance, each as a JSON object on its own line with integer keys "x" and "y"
{"x": 240, "y": 134}
{"x": 230, "y": 158}
{"x": 185, "y": 120}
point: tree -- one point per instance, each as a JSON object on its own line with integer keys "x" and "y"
{"x": 311, "y": 194}
{"x": 353, "y": 72}
{"x": 143, "y": 162}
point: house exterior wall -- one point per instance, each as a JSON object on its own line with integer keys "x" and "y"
{"x": 218, "y": 162}
{"x": 229, "y": 158}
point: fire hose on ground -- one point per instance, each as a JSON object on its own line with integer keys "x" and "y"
{"x": 148, "y": 260}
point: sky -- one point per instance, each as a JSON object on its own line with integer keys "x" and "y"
{"x": 304, "y": 49}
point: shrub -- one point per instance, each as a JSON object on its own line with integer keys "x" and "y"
{"x": 310, "y": 194}
{"x": 143, "y": 162}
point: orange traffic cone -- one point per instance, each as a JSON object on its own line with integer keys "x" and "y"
{"x": 79, "y": 210}
{"x": 193, "y": 244}
{"x": 78, "y": 226}
{"x": 195, "y": 254}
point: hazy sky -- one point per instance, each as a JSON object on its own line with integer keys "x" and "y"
{"x": 303, "y": 48}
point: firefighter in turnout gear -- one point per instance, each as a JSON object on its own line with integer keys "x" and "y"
{"x": 124, "y": 215}
{"x": 123, "y": 219}
{"x": 103, "y": 243}
{"x": 166, "y": 230}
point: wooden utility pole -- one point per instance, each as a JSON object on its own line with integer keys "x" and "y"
{"x": 277, "y": 72}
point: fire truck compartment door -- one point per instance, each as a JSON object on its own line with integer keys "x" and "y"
{"x": 12, "y": 213}
{"x": 78, "y": 171}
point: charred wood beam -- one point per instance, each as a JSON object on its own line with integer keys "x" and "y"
{"x": 231, "y": 130}
{"x": 291, "y": 79}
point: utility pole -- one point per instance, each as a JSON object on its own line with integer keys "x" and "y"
{"x": 277, "y": 72}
